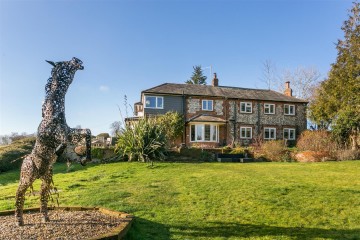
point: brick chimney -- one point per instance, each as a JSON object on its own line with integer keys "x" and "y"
{"x": 215, "y": 81}
{"x": 288, "y": 90}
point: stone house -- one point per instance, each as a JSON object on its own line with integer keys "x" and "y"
{"x": 218, "y": 115}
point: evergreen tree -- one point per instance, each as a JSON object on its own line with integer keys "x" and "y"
{"x": 337, "y": 100}
{"x": 197, "y": 76}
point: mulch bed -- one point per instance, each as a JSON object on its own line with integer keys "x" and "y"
{"x": 89, "y": 224}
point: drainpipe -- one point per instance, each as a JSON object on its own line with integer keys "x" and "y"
{"x": 258, "y": 120}
{"x": 234, "y": 126}
{"x": 184, "y": 116}
{"x": 226, "y": 118}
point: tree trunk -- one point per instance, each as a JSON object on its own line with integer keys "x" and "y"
{"x": 354, "y": 140}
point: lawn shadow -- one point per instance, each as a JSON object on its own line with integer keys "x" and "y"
{"x": 236, "y": 230}
{"x": 9, "y": 177}
{"x": 145, "y": 229}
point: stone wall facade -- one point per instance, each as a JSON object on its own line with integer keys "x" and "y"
{"x": 229, "y": 110}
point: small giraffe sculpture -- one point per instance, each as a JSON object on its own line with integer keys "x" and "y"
{"x": 53, "y": 136}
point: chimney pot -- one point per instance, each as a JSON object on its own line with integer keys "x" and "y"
{"x": 215, "y": 81}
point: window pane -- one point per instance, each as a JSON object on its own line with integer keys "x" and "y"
{"x": 199, "y": 132}
{"x": 192, "y": 132}
{"x": 248, "y": 107}
{"x": 204, "y": 105}
{"x": 207, "y": 132}
{"x": 292, "y": 134}
{"x": 210, "y": 107}
{"x": 267, "y": 108}
{"x": 272, "y": 133}
{"x": 286, "y": 109}
{"x": 214, "y": 133}
{"x": 267, "y": 134}
{"x": 243, "y": 107}
{"x": 248, "y": 132}
{"x": 286, "y": 134}
{"x": 159, "y": 102}
{"x": 150, "y": 102}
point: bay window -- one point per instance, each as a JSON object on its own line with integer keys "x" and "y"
{"x": 203, "y": 133}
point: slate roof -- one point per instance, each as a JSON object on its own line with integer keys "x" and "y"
{"x": 221, "y": 91}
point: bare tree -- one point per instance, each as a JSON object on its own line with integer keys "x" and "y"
{"x": 115, "y": 128}
{"x": 303, "y": 80}
{"x": 5, "y": 140}
{"x": 269, "y": 73}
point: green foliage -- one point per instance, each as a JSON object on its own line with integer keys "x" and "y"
{"x": 97, "y": 153}
{"x": 197, "y": 76}
{"x": 337, "y": 100}
{"x": 11, "y": 156}
{"x": 172, "y": 124}
{"x": 144, "y": 140}
{"x": 346, "y": 127}
{"x": 259, "y": 201}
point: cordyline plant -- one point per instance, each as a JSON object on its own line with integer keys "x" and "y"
{"x": 142, "y": 141}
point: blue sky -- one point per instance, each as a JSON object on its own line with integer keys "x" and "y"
{"x": 129, "y": 46}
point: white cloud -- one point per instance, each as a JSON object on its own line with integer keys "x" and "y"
{"x": 104, "y": 88}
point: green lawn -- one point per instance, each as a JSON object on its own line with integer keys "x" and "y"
{"x": 216, "y": 200}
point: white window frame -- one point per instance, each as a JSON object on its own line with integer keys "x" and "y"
{"x": 207, "y": 105}
{"x": 247, "y": 104}
{"x": 156, "y": 102}
{"x": 270, "y": 129}
{"x": 288, "y": 130}
{"x": 213, "y": 127}
{"x": 241, "y": 132}
{"x": 268, "y": 106}
{"x": 290, "y": 106}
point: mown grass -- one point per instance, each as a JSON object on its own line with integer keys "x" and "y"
{"x": 215, "y": 200}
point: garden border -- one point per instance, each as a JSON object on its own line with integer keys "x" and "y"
{"x": 118, "y": 232}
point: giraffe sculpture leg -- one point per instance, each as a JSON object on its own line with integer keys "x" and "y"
{"x": 27, "y": 177}
{"x": 44, "y": 194}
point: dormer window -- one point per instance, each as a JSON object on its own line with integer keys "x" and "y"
{"x": 154, "y": 102}
{"x": 207, "y": 105}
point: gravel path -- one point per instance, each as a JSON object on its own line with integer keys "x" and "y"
{"x": 63, "y": 225}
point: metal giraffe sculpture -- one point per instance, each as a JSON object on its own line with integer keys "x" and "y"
{"x": 53, "y": 136}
